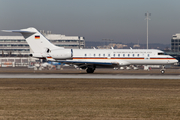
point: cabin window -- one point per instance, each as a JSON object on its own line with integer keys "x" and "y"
{"x": 94, "y": 55}
{"x": 138, "y": 55}
{"x": 161, "y": 54}
{"x": 128, "y": 55}
{"x": 104, "y": 55}
{"x": 108, "y": 55}
{"x": 133, "y": 55}
{"x": 148, "y": 55}
{"x": 123, "y": 55}
{"x": 99, "y": 55}
{"x": 118, "y": 55}
{"x": 85, "y": 55}
{"x": 114, "y": 55}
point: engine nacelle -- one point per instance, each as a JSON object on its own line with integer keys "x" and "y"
{"x": 61, "y": 54}
{"x": 38, "y": 55}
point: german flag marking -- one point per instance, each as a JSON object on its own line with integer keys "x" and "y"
{"x": 37, "y": 37}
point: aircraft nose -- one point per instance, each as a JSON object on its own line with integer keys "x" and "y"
{"x": 173, "y": 61}
{"x": 176, "y": 61}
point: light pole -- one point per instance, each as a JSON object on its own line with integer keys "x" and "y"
{"x": 147, "y": 18}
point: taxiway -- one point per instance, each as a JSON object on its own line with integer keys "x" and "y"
{"x": 92, "y": 76}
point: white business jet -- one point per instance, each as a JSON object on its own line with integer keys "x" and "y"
{"x": 90, "y": 59}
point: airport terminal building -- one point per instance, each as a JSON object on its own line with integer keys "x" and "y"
{"x": 175, "y": 43}
{"x": 175, "y": 46}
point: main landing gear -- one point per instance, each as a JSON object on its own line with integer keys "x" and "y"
{"x": 163, "y": 70}
{"x": 90, "y": 70}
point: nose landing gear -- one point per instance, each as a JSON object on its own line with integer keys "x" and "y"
{"x": 162, "y": 70}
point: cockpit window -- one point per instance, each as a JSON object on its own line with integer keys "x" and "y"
{"x": 161, "y": 53}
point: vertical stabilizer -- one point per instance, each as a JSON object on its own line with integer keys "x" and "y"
{"x": 37, "y": 42}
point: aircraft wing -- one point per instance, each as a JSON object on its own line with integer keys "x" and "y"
{"x": 90, "y": 63}
{"x": 85, "y": 62}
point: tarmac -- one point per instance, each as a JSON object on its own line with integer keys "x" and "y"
{"x": 98, "y": 74}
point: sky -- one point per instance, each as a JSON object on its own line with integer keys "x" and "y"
{"x": 118, "y": 20}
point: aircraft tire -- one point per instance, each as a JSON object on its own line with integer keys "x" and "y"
{"x": 89, "y": 70}
{"x": 162, "y": 71}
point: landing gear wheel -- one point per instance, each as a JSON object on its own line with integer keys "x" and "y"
{"x": 90, "y": 70}
{"x": 162, "y": 71}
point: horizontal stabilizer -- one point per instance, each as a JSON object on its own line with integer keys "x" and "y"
{"x": 18, "y": 31}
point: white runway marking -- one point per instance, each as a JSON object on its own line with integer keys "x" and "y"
{"x": 93, "y": 76}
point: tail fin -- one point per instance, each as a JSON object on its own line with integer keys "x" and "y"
{"x": 37, "y": 42}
